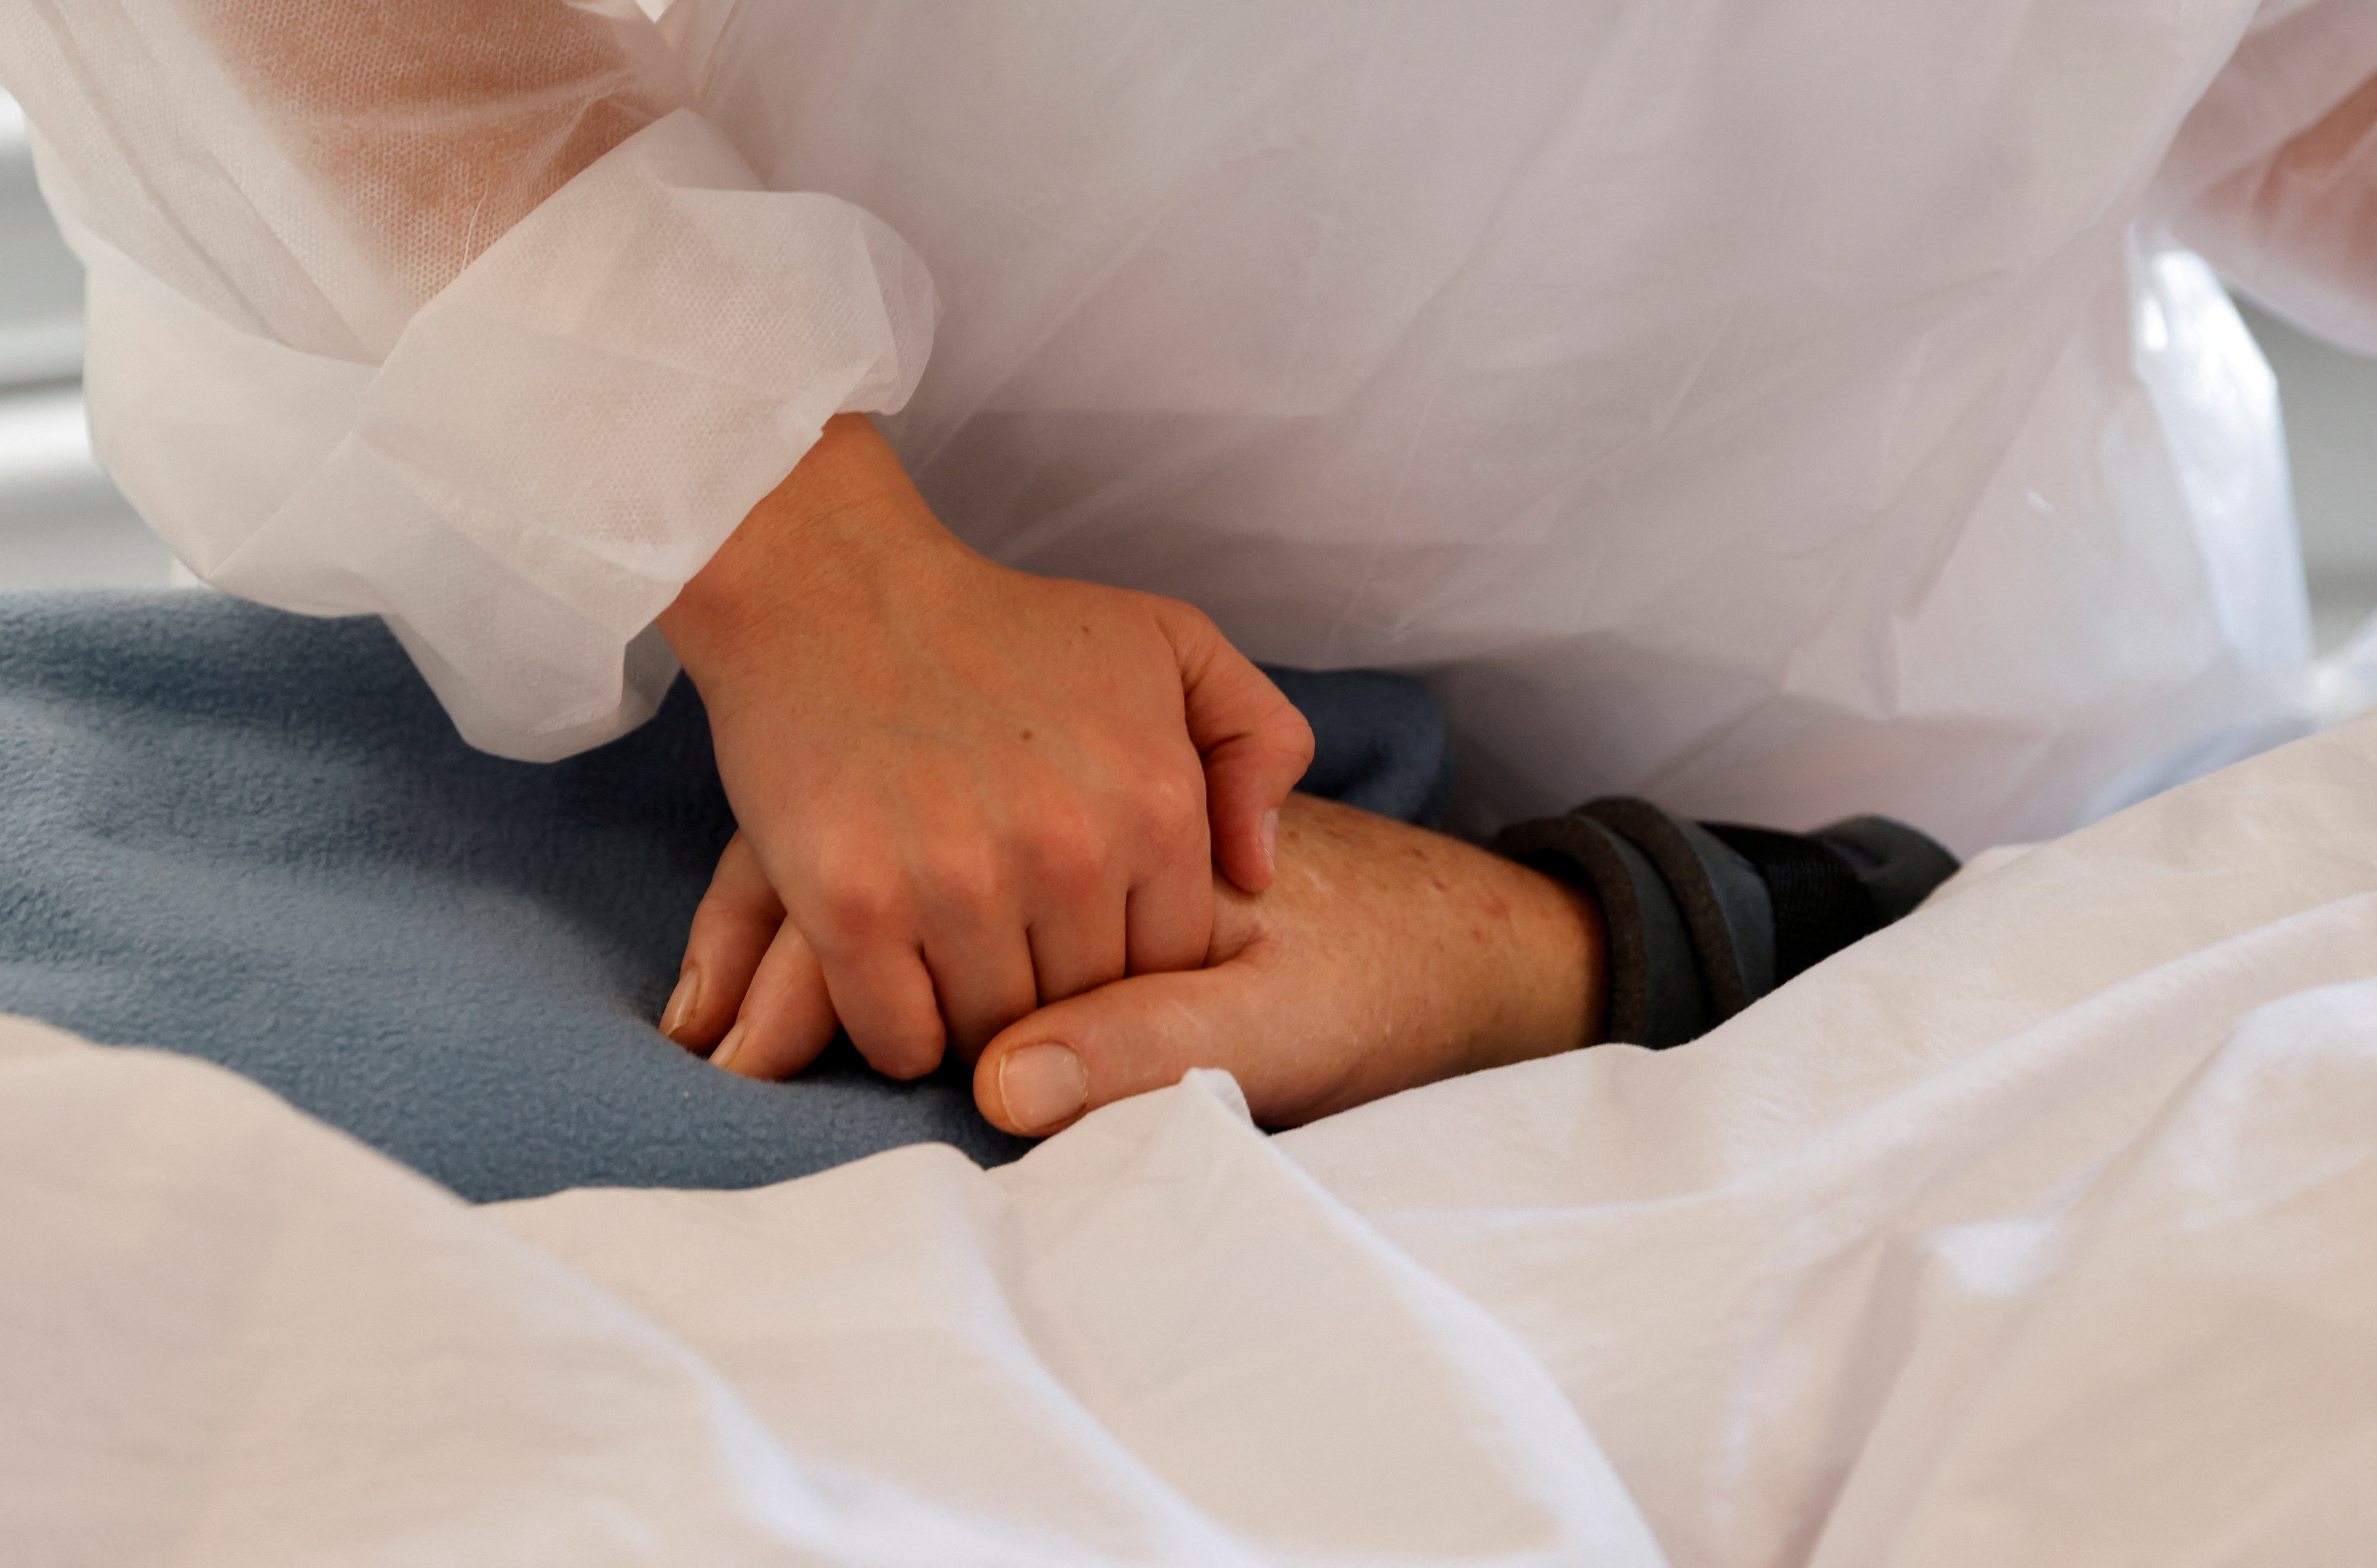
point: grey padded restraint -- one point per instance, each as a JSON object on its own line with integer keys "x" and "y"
{"x": 1703, "y": 920}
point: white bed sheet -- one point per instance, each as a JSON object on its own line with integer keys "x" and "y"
{"x": 2040, "y": 1228}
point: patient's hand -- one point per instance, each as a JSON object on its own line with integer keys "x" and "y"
{"x": 1381, "y": 958}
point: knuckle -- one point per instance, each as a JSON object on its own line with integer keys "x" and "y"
{"x": 1071, "y": 856}
{"x": 715, "y": 926}
{"x": 967, "y": 881}
{"x": 1173, "y": 795}
{"x": 737, "y": 904}
{"x": 1188, "y": 620}
{"x": 864, "y": 906}
{"x": 1173, "y": 806}
{"x": 739, "y": 887}
{"x": 1295, "y": 735}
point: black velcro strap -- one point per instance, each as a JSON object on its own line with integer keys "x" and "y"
{"x": 1820, "y": 905}
{"x": 1900, "y": 865}
{"x": 1656, "y": 998}
{"x": 1724, "y": 904}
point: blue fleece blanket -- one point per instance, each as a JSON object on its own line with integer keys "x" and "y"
{"x": 254, "y": 838}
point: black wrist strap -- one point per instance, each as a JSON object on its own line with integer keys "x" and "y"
{"x": 1656, "y": 989}
{"x": 1704, "y": 918}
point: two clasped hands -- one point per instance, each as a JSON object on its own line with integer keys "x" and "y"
{"x": 1048, "y": 827}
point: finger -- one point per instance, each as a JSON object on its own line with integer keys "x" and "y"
{"x": 1169, "y": 921}
{"x": 884, "y": 997}
{"x": 1081, "y": 947}
{"x": 1067, "y": 1059}
{"x": 1254, "y": 742}
{"x": 983, "y": 979}
{"x": 787, "y": 1018}
{"x": 736, "y": 920}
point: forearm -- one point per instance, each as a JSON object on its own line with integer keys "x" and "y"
{"x": 1388, "y": 956}
{"x": 1554, "y": 947}
{"x": 1565, "y": 949}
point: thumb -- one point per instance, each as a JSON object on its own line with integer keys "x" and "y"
{"x": 1254, "y": 742}
{"x": 1048, "y": 1070}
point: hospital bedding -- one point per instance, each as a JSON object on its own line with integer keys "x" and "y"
{"x": 2034, "y": 1230}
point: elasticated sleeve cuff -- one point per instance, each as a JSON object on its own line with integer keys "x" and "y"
{"x": 556, "y": 443}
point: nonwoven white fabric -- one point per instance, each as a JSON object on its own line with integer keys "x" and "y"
{"x": 2032, "y": 1230}
{"x": 463, "y": 491}
{"x": 1779, "y": 412}
{"x": 504, "y": 402}
{"x": 2294, "y": 226}
{"x": 1754, "y": 408}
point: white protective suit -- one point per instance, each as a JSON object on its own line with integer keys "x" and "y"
{"x": 1777, "y": 410}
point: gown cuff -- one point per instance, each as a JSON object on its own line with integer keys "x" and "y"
{"x": 556, "y": 443}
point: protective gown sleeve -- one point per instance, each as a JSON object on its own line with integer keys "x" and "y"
{"x": 452, "y": 313}
{"x": 2273, "y": 175}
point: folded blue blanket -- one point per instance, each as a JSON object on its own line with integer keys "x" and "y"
{"x": 255, "y": 837}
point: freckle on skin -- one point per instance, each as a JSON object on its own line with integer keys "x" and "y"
{"x": 1436, "y": 882}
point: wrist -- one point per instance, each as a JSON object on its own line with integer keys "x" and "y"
{"x": 831, "y": 532}
{"x": 1561, "y": 952}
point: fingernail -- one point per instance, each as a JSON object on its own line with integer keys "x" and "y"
{"x": 1041, "y": 1085}
{"x": 723, "y": 1057}
{"x": 679, "y": 1011}
{"x": 1271, "y": 840}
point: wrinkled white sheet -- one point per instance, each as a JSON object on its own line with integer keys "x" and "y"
{"x": 2034, "y": 1230}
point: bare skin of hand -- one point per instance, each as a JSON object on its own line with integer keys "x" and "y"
{"x": 1383, "y": 957}
{"x": 963, "y": 791}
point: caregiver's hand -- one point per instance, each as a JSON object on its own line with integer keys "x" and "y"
{"x": 963, "y": 791}
{"x": 1381, "y": 958}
